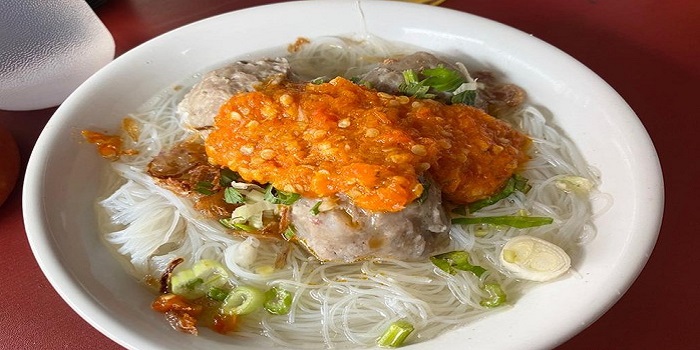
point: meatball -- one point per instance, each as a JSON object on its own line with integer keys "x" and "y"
{"x": 201, "y": 104}
{"x": 348, "y": 233}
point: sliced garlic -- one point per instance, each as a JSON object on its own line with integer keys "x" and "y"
{"x": 534, "y": 259}
{"x": 246, "y": 252}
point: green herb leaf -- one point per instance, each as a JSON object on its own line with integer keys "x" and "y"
{"x": 276, "y": 196}
{"x": 413, "y": 87}
{"x": 467, "y": 97}
{"x": 456, "y": 260}
{"x": 232, "y": 196}
{"x": 516, "y": 221}
{"x": 442, "y": 79}
{"x": 227, "y": 177}
{"x": 204, "y": 187}
{"x": 438, "y": 79}
{"x": 358, "y": 81}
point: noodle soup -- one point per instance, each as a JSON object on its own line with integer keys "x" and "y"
{"x": 341, "y": 304}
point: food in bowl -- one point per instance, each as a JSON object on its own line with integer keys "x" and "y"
{"x": 341, "y": 199}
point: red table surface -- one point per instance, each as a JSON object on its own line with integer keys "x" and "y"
{"x": 647, "y": 50}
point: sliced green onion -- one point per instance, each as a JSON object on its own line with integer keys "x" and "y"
{"x": 228, "y": 223}
{"x": 204, "y": 187}
{"x": 395, "y": 335}
{"x": 521, "y": 183}
{"x": 278, "y": 301}
{"x": 199, "y": 280}
{"x": 231, "y": 223}
{"x": 534, "y": 259}
{"x": 456, "y": 260}
{"x": 227, "y": 177}
{"x": 503, "y": 193}
{"x": 516, "y": 182}
{"x": 516, "y": 221}
{"x": 314, "y": 210}
{"x": 243, "y": 227}
{"x": 289, "y": 233}
{"x": 276, "y": 196}
{"x": 232, "y": 196}
{"x": 211, "y": 272}
{"x": 243, "y": 300}
{"x": 320, "y": 80}
{"x": 186, "y": 284}
{"x": 496, "y": 295}
{"x": 217, "y": 294}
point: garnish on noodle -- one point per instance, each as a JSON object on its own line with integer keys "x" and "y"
{"x": 319, "y": 140}
{"x": 351, "y": 193}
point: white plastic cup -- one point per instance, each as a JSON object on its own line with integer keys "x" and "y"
{"x": 47, "y": 49}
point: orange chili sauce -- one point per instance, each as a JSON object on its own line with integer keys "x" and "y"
{"x": 339, "y": 137}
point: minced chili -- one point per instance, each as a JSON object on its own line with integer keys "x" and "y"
{"x": 321, "y": 140}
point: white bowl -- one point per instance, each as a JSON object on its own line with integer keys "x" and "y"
{"x": 61, "y": 183}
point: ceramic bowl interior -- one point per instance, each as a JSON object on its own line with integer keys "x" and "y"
{"x": 62, "y": 177}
